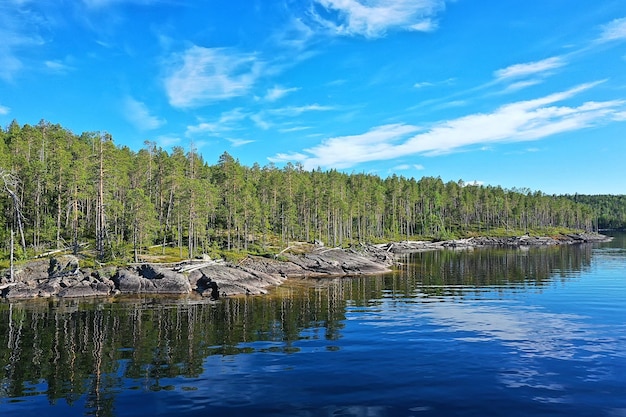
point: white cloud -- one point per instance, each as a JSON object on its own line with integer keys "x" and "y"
{"x": 423, "y": 84}
{"x": 424, "y": 26}
{"x": 260, "y": 121}
{"x": 277, "y": 93}
{"x": 294, "y": 35}
{"x": 138, "y": 114}
{"x": 406, "y": 167}
{"x": 613, "y": 31}
{"x": 58, "y": 66}
{"x": 293, "y": 111}
{"x": 239, "y": 142}
{"x": 4, "y": 110}
{"x": 204, "y": 75}
{"x": 347, "y": 151}
{"x": 373, "y": 18}
{"x": 234, "y": 115}
{"x": 515, "y": 122}
{"x": 99, "y": 4}
{"x": 452, "y": 104}
{"x": 227, "y": 121}
{"x": 167, "y": 141}
{"x": 520, "y": 85}
{"x": 204, "y": 128}
{"x": 529, "y": 68}
{"x": 9, "y": 64}
{"x": 19, "y": 32}
{"x": 402, "y": 167}
{"x": 294, "y": 129}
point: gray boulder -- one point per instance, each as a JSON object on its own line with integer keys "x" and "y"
{"x": 32, "y": 271}
{"x": 21, "y": 291}
{"x": 50, "y": 288}
{"x": 129, "y": 281}
{"x": 63, "y": 265}
{"x": 86, "y": 289}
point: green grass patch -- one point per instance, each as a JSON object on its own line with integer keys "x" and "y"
{"x": 234, "y": 256}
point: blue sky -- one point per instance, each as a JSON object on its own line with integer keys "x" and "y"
{"x": 512, "y": 93}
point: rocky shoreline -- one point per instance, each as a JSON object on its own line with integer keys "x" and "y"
{"x": 63, "y": 277}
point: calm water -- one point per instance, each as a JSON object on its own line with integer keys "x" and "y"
{"x": 538, "y": 332}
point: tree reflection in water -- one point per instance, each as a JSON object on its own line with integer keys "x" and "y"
{"x": 91, "y": 350}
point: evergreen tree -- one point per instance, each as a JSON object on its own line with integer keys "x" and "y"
{"x": 68, "y": 190}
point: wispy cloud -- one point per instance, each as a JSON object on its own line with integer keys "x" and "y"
{"x": 167, "y": 141}
{"x": 99, "y": 4}
{"x": 276, "y": 118}
{"x": 373, "y": 18}
{"x": 515, "y": 122}
{"x": 446, "y": 82}
{"x": 58, "y": 66}
{"x": 294, "y": 129}
{"x": 293, "y": 111}
{"x": 423, "y": 84}
{"x": 613, "y": 31}
{"x": 138, "y": 115}
{"x": 407, "y": 167}
{"x": 239, "y": 142}
{"x": 294, "y": 35}
{"x": 19, "y": 32}
{"x": 529, "y": 68}
{"x": 277, "y": 92}
{"x": 347, "y": 151}
{"x": 204, "y": 128}
{"x": 227, "y": 121}
{"x": 203, "y": 75}
{"x": 520, "y": 85}
{"x": 260, "y": 121}
{"x": 4, "y": 110}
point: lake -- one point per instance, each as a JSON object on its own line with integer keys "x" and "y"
{"x": 486, "y": 332}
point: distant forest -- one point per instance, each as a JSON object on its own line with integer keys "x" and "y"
{"x": 61, "y": 190}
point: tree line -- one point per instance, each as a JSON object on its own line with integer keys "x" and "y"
{"x": 610, "y": 210}
{"x": 61, "y": 190}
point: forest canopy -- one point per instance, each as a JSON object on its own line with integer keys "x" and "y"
{"x": 61, "y": 190}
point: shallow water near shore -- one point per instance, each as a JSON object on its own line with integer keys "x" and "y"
{"x": 484, "y": 332}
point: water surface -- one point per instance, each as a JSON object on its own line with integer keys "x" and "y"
{"x": 490, "y": 332}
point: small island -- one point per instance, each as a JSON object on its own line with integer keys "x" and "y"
{"x": 84, "y": 217}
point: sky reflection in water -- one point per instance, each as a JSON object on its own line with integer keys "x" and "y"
{"x": 537, "y": 332}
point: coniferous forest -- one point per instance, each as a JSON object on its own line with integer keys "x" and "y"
{"x": 63, "y": 190}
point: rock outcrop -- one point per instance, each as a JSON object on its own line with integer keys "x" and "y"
{"x": 62, "y": 276}
{"x": 473, "y": 242}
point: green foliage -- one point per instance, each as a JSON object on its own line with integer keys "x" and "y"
{"x": 173, "y": 206}
{"x": 445, "y": 235}
{"x": 234, "y": 256}
{"x": 88, "y": 262}
{"x": 610, "y": 209}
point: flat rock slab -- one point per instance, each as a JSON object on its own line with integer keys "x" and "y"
{"x": 233, "y": 280}
{"x": 130, "y": 282}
